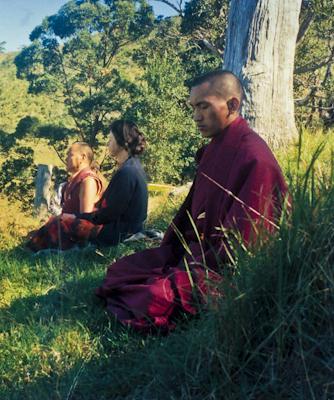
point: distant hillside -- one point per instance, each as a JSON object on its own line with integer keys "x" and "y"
{"x": 16, "y": 102}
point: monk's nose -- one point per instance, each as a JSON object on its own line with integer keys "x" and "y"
{"x": 197, "y": 116}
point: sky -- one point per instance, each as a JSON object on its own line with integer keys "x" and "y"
{"x": 19, "y": 17}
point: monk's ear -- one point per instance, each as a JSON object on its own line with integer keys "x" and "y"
{"x": 233, "y": 105}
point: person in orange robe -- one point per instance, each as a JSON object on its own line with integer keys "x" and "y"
{"x": 81, "y": 193}
{"x": 122, "y": 209}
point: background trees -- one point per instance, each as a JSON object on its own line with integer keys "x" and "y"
{"x": 313, "y": 74}
{"x": 97, "y": 60}
{"x": 73, "y": 56}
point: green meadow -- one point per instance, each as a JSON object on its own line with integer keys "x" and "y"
{"x": 269, "y": 336}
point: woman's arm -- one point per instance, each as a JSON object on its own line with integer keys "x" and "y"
{"x": 87, "y": 195}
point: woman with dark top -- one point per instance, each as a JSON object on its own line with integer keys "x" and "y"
{"x": 122, "y": 209}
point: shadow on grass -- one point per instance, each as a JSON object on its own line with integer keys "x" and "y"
{"x": 89, "y": 377}
{"x": 74, "y": 300}
{"x": 92, "y": 253}
{"x": 127, "y": 366}
{"x": 43, "y": 318}
{"x": 67, "y": 282}
{"x": 86, "y": 380}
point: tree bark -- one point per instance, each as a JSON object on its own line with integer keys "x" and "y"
{"x": 260, "y": 50}
{"x": 42, "y": 193}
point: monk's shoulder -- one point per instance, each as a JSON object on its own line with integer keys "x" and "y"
{"x": 254, "y": 148}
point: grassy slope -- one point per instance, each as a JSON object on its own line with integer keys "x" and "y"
{"x": 271, "y": 337}
{"x": 50, "y": 321}
{"x": 16, "y": 103}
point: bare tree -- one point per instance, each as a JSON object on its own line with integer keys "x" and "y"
{"x": 260, "y": 49}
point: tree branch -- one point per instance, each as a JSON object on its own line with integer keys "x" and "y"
{"x": 58, "y": 154}
{"x": 212, "y": 48}
{"x": 303, "y": 28}
{"x": 319, "y": 107}
{"x": 199, "y": 36}
{"x": 313, "y": 67}
{"x": 304, "y": 100}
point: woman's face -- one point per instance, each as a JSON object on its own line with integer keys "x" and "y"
{"x": 113, "y": 146}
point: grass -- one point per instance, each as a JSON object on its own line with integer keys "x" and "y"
{"x": 270, "y": 337}
{"x": 52, "y": 325}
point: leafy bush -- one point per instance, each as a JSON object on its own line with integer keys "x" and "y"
{"x": 17, "y": 175}
{"x": 161, "y": 111}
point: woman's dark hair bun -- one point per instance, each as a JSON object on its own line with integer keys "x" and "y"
{"x": 140, "y": 145}
{"x": 128, "y": 136}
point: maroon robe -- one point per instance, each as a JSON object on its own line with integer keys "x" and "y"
{"x": 71, "y": 192}
{"x": 148, "y": 289}
{"x": 65, "y": 232}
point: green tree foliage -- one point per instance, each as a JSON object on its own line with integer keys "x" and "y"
{"x": 23, "y": 121}
{"x": 73, "y": 55}
{"x": 2, "y": 47}
{"x": 16, "y": 103}
{"x": 314, "y": 69}
{"x": 161, "y": 112}
{"x": 205, "y": 23}
{"x": 17, "y": 175}
{"x": 17, "y": 150}
{"x": 160, "y": 105}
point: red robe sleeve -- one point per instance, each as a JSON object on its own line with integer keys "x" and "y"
{"x": 253, "y": 208}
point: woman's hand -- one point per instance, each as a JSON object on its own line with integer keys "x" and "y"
{"x": 65, "y": 215}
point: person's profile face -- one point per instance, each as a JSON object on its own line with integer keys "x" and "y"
{"x": 210, "y": 111}
{"x": 113, "y": 147}
{"x": 74, "y": 159}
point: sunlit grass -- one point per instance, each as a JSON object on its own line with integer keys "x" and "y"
{"x": 271, "y": 336}
{"x": 296, "y": 158}
{"x": 51, "y": 323}
{"x": 14, "y": 224}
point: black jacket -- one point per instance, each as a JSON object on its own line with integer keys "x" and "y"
{"x": 123, "y": 207}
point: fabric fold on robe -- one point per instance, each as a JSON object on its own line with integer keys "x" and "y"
{"x": 238, "y": 186}
{"x": 64, "y": 232}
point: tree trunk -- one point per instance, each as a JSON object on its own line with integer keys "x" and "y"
{"x": 260, "y": 50}
{"x": 42, "y": 193}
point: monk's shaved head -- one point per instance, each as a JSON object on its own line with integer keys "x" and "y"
{"x": 222, "y": 83}
{"x": 215, "y": 99}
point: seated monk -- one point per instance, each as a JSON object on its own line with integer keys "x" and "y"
{"x": 238, "y": 187}
{"x": 80, "y": 194}
{"x": 85, "y": 186}
{"x": 122, "y": 209}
